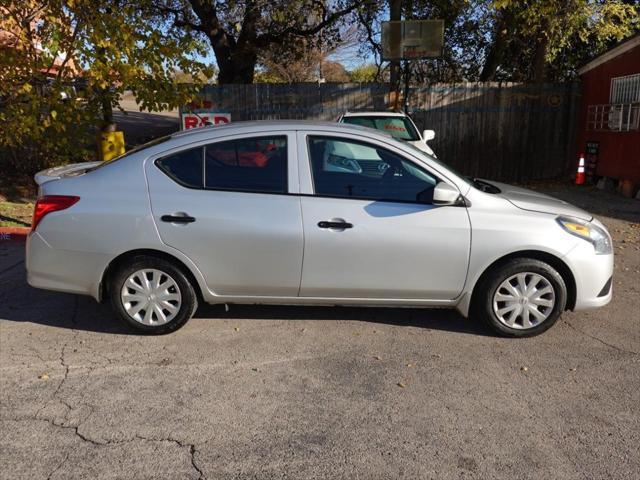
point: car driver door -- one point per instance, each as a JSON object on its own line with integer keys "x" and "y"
{"x": 371, "y": 230}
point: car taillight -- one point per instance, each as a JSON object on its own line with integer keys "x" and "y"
{"x": 50, "y": 203}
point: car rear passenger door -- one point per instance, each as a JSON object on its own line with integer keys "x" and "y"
{"x": 226, "y": 205}
{"x": 371, "y": 230}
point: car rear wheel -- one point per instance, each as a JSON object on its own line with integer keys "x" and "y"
{"x": 520, "y": 298}
{"x": 152, "y": 295}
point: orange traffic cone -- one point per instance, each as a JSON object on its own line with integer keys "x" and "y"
{"x": 580, "y": 175}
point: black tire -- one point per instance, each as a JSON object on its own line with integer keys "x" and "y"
{"x": 482, "y": 303}
{"x": 188, "y": 303}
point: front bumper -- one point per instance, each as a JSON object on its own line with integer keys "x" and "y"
{"x": 593, "y": 274}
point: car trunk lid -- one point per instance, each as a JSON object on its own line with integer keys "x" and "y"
{"x": 72, "y": 170}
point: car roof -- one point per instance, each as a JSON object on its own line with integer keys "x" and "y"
{"x": 265, "y": 126}
{"x": 202, "y": 135}
{"x": 381, "y": 113}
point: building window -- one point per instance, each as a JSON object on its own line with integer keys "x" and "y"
{"x": 622, "y": 113}
{"x": 625, "y": 89}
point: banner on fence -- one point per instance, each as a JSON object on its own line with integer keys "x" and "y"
{"x": 202, "y": 119}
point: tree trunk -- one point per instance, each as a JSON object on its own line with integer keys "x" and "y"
{"x": 107, "y": 110}
{"x": 540, "y": 60}
{"x": 498, "y": 46}
{"x": 237, "y": 68}
{"x": 236, "y": 61}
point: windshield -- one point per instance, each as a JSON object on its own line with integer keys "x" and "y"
{"x": 399, "y": 127}
{"x": 446, "y": 166}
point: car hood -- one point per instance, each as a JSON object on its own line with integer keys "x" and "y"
{"x": 539, "y": 202}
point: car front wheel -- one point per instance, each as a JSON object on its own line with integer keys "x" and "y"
{"x": 152, "y": 295}
{"x": 520, "y": 298}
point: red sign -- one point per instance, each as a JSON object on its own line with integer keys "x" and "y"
{"x": 198, "y": 120}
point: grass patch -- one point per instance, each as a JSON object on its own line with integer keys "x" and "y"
{"x": 16, "y": 213}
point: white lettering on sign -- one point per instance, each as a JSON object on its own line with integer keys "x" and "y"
{"x": 198, "y": 120}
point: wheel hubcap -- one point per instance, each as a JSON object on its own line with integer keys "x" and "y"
{"x": 524, "y": 300}
{"x": 151, "y": 297}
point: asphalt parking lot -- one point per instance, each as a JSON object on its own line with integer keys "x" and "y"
{"x": 292, "y": 392}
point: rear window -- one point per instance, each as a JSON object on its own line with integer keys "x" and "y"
{"x": 398, "y": 127}
{"x": 249, "y": 164}
{"x": 152, "y": 143}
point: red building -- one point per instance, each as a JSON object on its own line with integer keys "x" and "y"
{"x": 608, "y": 128}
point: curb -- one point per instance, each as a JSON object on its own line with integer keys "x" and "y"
{"x": 13, "y": 234}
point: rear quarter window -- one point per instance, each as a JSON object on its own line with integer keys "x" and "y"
{"x": 184, "y": 167}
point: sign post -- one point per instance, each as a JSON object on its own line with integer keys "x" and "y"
{"x": 411, "y": 40}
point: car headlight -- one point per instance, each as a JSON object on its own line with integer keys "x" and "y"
{"x": 587, "y": 231}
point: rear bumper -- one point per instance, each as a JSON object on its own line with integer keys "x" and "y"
{"x": 63, "y": 270}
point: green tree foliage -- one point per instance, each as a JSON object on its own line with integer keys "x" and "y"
{"x": 515, "y": 40}
{"x": 364, "y": 73}
{"x": 549, "y": 39}
{"x": 65, "y": 64}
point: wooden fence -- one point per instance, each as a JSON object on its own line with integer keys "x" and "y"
{"x": 504, "y": 131}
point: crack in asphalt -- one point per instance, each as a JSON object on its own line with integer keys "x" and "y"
{"x": 106, "y": 443}
{"x": 66, "y": 366}
{"x": 64, "y": 460}
{"x": 192, "y": 451}
{"x": 610, "y": 345}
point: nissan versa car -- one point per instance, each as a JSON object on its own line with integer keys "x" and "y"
{"x": 314, "y": 214}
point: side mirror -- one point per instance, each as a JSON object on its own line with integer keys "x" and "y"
{"x": 445, "y": 194}
{"x": 428, "y": 135}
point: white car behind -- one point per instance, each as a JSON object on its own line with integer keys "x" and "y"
{"x": 399, "y": 125}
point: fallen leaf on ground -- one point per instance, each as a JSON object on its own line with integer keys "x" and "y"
{"x": 237, "y": 329}
{"x": 44, "y": 376}
{"x": 401, "y": 385}
{"x": 524, "y": 369}
{"x": 377, "y": 357}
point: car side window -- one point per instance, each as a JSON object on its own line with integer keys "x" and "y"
{"x": 351, "y": 169}
{"x": 184, "y": 167}
{"x": 257, "y": 164}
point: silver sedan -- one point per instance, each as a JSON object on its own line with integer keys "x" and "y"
{"x": 309, "y": 213}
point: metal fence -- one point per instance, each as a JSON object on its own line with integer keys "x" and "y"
{"x": 505, "y": 131}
